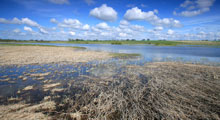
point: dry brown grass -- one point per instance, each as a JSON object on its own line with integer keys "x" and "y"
{"x": 23, "y": 111}
{"x": 153, "y": 91}
{"x": 161, "y": 91}
{"x": 41, "y": 55}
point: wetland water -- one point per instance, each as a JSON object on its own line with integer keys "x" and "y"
{"x": 84, "y": 83}
{"x": 150, "y": 53}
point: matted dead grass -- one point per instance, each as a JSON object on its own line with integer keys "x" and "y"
{"x": 154, "y": 91}
{"x": 17, "y": 55}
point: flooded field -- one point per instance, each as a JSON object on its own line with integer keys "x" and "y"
{"x": 108, "y": 88}
{"x": 150, "y": 53}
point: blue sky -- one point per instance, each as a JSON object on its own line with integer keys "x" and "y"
{"x": 110, "y": 19}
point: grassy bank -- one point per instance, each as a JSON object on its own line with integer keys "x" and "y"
{"x": 120, "y": 42}
{"x": 124, "y": 55}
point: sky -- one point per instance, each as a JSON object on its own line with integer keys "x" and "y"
{"x": 110, "y": 19}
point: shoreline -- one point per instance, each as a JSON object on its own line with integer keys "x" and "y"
{"x": 18, "y": 55}
{"x": 22, "y": 54}
{"x": 128, "y": 42}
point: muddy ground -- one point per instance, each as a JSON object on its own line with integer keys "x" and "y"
{"x": 164, "y": 90}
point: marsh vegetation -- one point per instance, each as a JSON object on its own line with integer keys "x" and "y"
{"x": 121, "y": 42}
{"x": 68, "y": 83}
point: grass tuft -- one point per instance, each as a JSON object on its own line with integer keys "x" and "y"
{"x": 124, "y": 55}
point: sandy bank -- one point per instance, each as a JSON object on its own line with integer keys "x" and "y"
{"x": 41, "y": 55}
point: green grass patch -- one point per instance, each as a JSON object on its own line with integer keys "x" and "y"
{"x": 124, "y": 55}
{"x": 116, "y": 43}
{"x": 121, "y": 42}
{"x": 82, "y": 48}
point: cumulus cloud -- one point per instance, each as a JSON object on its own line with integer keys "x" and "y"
{"x": 194, "y": 8}
{"x": 42, "y": 30}
{"x": 29, "y": 22}
{"x": 24, "y": 21}
{"x": 70, "y": 23}
{"x": 106, "y": 34}
{"x": 124, "y": 22}
{"x": 86, "y": 27}
{"x": 53, "y": 20}
{"x": 28, "y": 29}
{"x": 137, "y": 27}
{"x": 137, "y": 14}
{"x": 122, "y": 34}
{"x": 16, "y": 30}
{"x": 158, "y": 28}
{"x": 15, "y": 20}
{"x": 90, "y": 2}
{"x": 59, "y": 1}
{"x": 72, "y": 33}
{"x": 170, "y": 32}
{"x": 104, "y": 13}
{"x": 102, "y": 25}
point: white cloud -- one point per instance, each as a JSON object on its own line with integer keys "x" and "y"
{"x": 16, "y": 30}
{"x": 53, "y": 20}
{"x": 170, "y": 32}
{"x": 59, "y": 1}
{"x": 137, "y": 14}
{"x": 86, "y": 27}
{"x": 102, "y": 25}
{"x": 158, "y": 28}
{"x": 15, "y": 20}
{"x": 105, "y": 34}
{"x": 28, "y": 29}
{"x": 122, "y": 34}
{"x": 29, "y": 22}
{"x": 137, "y": 27}
{"x": 124, "y": 22}
{"x": 72, "y": 33}
{"x": 62, "y": 32}
{"x": 194, "y": 8}
{"x": 104, "y": 13}
{"x": 70, "y": 23}
{"x": 42, "y": 30}
{"x": 53, "y": 28}
{"x": 90, "y": 2}
{"x": 3, "y": 20}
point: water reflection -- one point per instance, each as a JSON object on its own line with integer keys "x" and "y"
{"x": 198, "y": 54}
